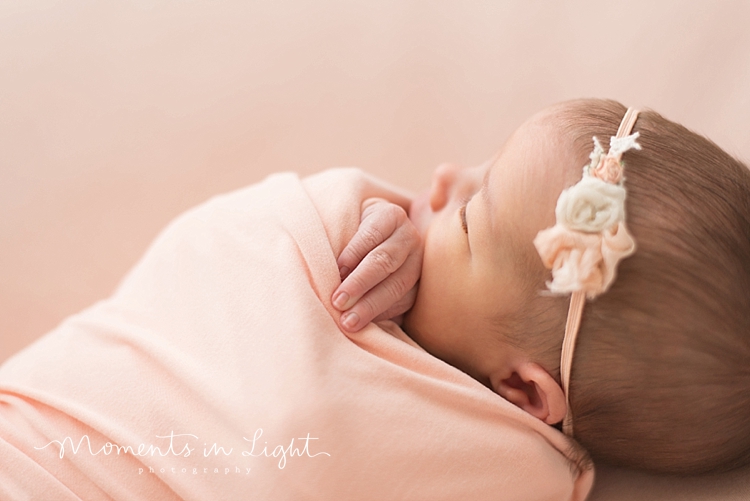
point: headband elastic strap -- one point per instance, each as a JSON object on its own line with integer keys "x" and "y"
{"x": 575, "y": 310}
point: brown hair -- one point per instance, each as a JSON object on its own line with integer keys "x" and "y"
{"x": 661, "y": 373}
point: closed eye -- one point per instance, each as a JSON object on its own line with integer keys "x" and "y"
{"x": 462, "y": 215}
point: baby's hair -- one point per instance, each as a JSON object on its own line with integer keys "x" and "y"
{"x": 661, "y": 373}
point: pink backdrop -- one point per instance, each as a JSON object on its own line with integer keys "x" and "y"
{"x": 116, "y": 116}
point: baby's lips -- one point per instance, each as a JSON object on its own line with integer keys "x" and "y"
{"x": 420, "y": 212}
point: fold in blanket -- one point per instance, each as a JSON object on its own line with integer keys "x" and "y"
{"x": 217, "y": 370}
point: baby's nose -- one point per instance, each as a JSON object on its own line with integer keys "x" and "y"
{"x": 443, "y": 181}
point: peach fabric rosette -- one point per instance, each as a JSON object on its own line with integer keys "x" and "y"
{"x": 590, "y": 238}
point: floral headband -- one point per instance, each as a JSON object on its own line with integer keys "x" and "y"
{"x": 589, "y": 238}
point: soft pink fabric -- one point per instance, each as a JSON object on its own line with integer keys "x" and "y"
{"x": 225, "y": 327}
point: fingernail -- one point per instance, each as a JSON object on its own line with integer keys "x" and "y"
{"x": 350, "y": 320}
{"x": 340, "y": 300}
{"x": 343, "y": 272}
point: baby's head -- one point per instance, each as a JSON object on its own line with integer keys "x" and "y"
{"x": 661, "y": 372}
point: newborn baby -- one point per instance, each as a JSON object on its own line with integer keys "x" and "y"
{"x": 659, "y": 374}
{"x": 218, "y": 369}
{"x": 226, "y": 364}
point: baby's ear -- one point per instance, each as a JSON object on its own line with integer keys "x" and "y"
{"x": 530, "y": 387}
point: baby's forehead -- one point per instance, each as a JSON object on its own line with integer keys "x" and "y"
{"x": 538, "y": 149}
{"x": 544, "y": 131}
{"x": 525, "y": 179}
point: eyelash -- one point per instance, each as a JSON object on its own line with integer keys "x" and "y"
{"x": 462, "y": 215}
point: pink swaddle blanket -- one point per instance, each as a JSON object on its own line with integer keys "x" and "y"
{"x": 217, "y": 371}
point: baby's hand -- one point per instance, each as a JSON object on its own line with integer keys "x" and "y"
{"x": 386, "y": 258}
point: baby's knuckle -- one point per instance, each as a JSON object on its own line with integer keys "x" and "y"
{"x": 384, "y": 260}
{"x": 357, "y": 284}
{"x": 370, "y": 210}
{"x": 367, "y": 308}
{"x": 396, "y": 287}
{"x": 371, "y": 237}
{"x": 397, "y": 213}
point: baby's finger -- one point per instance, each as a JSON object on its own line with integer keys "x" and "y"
{"x": 379, "y": 221}
{"x": 401, "y": 306}
{"x": 377, "y": 301}
{"x": 376, "y": 267}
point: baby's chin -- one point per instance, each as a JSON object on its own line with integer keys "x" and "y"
{"x": 420, "y": 212}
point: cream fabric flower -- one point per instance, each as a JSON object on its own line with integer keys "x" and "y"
{"x": 591, "y": 206}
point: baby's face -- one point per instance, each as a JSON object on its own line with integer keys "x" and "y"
{"x": 480, "y": 264}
